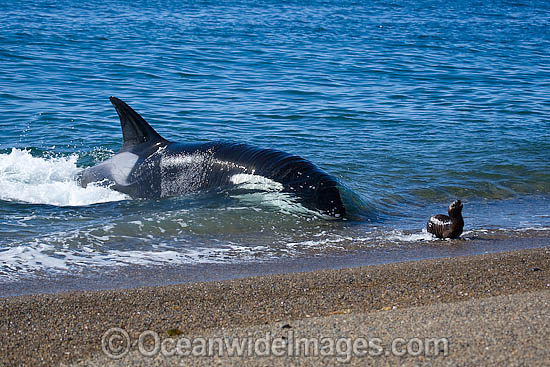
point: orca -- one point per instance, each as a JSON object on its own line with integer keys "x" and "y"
{"x": 149, "y": 166}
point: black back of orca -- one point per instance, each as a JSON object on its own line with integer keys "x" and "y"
{"x": 314, "y": 188}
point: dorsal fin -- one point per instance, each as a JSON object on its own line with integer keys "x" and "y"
{"x": 135, "y": 130}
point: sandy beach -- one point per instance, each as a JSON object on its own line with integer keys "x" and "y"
{"x": 479, "y": 310}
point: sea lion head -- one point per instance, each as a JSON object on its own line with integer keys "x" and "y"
{"x": 455, "y": 208}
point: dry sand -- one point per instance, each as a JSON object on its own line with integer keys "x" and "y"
{"x": 492, "y": 309}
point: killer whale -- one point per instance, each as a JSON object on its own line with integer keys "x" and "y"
{"x": 149, "y": 166}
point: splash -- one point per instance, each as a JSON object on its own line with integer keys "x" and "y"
{"x": 401, "y": 236}
{"x": 255, "y": 182}
{"x": 51, "y": 181}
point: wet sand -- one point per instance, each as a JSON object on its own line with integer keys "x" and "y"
{"x": 490, "y": 308}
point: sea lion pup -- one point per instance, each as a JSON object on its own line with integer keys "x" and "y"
{"x": 443, "y": 226}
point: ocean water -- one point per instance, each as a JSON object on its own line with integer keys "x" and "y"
{"x": 409, "y": 104}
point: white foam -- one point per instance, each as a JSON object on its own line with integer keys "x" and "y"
{"x": 81, "y": 249}
{"x": 331, "y": 242}
{"x": 269, "y": 193}
{"x": 255, "y": 182}
{"x": 400, "y": 236}
{"x": 51, "y": 181}
{"x": 280, "y": 201}
{"x": 29, "y": 258}
{"x": 529, "y": 229}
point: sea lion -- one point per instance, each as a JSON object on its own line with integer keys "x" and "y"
{"x": 450, "y": 226}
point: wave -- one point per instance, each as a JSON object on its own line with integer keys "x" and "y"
{"x": 47, "y": 180}
{"x": 47, "y": 255}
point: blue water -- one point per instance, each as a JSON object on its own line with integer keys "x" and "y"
{"x": 409, "y": 104}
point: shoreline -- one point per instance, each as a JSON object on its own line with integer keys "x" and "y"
{"x": 50, "y": 329}
{"x": 137, "y": 275}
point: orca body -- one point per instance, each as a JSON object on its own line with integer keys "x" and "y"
{"x": 149, "y": 166}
